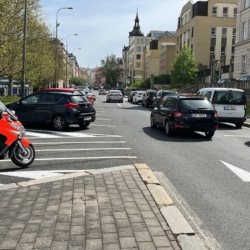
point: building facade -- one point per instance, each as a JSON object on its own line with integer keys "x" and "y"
{"x": 209, "y": 28}
{"x": 242, "y": 43}
{"x": 156, "y": 59}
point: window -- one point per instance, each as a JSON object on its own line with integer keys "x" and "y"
{"x": 234, "y": 33}
{"x": 244, "y": 31}
{"x": 214, "y": 11}
{"x": 249, "y": 29}
{"x": 224, "y": 33}
{"x": 212, "y": 49}
{"x": 244, "y": 64}
{"x": 138, "y": 65}
{"x": 245, "y": 4}
{"x": 185, "y": 18}
{"x": 138, "y": 48}
{"x": 138, "y": 40}
{"x": 142, "y": 40}
{"x": 138, "y": 56}
{"x": 223, "y": 50}
{"x": 232, "y": 51}
{"x": 192, "y": 31}
{"x": 225, "y": 12}
{"x": 31, "y": 99}
{"x": 213, "y": 32}
{"x": 235, "y": 12}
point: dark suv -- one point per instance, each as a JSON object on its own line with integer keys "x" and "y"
{"x": 147, "y": 98}
{"x": 160, "y": 94}
{"x": 180, "y": 113}
{"x": 57, "y": 108}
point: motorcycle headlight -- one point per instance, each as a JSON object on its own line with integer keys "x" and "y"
{"x": 21, "y": 129}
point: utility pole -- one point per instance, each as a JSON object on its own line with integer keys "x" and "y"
{"x": 24, "y": 50}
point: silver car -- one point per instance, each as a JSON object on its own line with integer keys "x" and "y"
{"x": 114, "y": 95}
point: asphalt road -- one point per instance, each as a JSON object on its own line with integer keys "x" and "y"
{"x": 205, "y": 177}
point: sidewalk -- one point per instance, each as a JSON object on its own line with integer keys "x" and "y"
{"x": 117, "y": 208}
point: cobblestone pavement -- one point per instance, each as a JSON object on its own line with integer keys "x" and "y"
{"x": 109, "y": 210}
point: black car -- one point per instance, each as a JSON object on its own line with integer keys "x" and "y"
{"x": 57, "y": 108}
{"x": 160, "y": 94}
{"x": 147, "y": 98}
{"x": 130, "y": 96}
{"x": 182, "y": 113}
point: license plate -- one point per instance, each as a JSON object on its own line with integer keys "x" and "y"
{"x": 198, "y": 115}
{"x": 87, "y": 118}
{"x": 229, "y": 108}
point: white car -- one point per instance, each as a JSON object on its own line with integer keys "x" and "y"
{"x": 114, "y": 95}
{"x": 137, "y": 98}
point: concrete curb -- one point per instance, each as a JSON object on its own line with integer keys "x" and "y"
{"x": 182, "y": 231}
{"x": 246, "y": 124}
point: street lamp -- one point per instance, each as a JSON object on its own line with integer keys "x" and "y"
{"x": 67, "y": 57}
{"x": 57, "y": 24}
{"x": 74, "y": 60}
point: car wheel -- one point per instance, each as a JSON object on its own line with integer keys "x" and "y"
{"x": 239, "y": 124}
{"x": 59, "y": 123}
{"x": 152, "y": 122}
{"x": 167, "y": 128}
{"x": 209, "y": 134}
{"x": 84, "y": 125}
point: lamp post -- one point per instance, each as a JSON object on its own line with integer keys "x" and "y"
{"x": 57, "y": 24}
{"x": 24, "y": 50}
{"x": 74, "y": 61}
{"x": 67, "y": 57}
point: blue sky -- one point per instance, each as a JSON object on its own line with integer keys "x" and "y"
{"x": 103, "y": 25}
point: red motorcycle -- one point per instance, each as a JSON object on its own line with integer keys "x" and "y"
{"x": 12, "y": 142}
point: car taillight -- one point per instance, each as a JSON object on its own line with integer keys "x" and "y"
{"x": 245, "y": 106}
{"x": 177, "y": 114}
{"x": 71, "y": 105}
{"x": 216, "y": 115}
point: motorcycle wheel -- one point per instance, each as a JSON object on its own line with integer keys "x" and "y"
{"x": 22, "y": 160}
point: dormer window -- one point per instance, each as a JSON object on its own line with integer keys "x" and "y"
{"x": 225, "y": 12}
{"x": 214, "y": 11}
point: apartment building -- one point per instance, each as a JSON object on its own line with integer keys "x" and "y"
{"x": 242, "y": 43}
{"x": 125, "y": 59}
{"x": 157, "y": 54}
{"x": 209, "y": 28}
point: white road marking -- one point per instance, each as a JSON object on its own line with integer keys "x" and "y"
{"x": 242, "y": 174}
{"x": 237, "y": 135}
{"x": 40, "y": 135}
{"x": 82, "y": 158}
{"x": 110, "y": 126}
{"x": 119, "y": 104}
{"x": 100, "y": 119}
{"x": 80, "y": 149}
{"x": 78, "y": 142}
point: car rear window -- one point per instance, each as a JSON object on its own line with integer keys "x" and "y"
{"x": 77, "y": 98}
{"x": 169, "y": 93}
{"x": 195, "y": 104}
{"x": 229, "y": 97}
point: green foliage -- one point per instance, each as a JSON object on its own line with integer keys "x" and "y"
{"x": 78, "y": 81}
{"x": 110, "y": 70}
{"x": 40, "y": 51}
{"x": 9, "y": 99}
{"x": 162, "y": 79}
{"x": 144, "y": 84}
{"x": 185, "y": 69}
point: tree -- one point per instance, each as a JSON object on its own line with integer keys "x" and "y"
{"x": 110, "y": 69}
{"x": 78, "y": 81}
{"x": 185, "y": 69}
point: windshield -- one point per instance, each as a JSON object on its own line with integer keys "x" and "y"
{"x": 3, "y": 108}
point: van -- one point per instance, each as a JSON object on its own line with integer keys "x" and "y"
{"x": 230, "y": 104}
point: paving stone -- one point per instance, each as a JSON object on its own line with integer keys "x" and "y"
{"x": 122, "y": 222}
{"x": 108, "y": 228}
{"x": 63, "y": 226}
{"x": 61, "y": 235}
{"x": 128, "y": 242}
{"x": 46, "y": 231}
{"x": 110, "y": 238}
{"x": 94, "y": 244}
{"x": 146, "y": 246}
{"x": 107, "y": 219}
{"x": 24, "y": 246}
{"x": 77, "y": 240}
{"x": 125, "y": 232}
{"x": 75, "y": 230}
{"x": 156, "y": 231}
{"x": 59, "y": 245}
{"x": 161, "y": 241}
{"x": 8, "y": 243}
{"x": 143, "y": 236}
{"x": 152, "y": 222}
{"x": 28, "y": 238}
{"x": 112, "y": 246}
{"x": 94, "y": 233}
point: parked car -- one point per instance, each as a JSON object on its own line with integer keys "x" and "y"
{"x": 147, "y": 98}
{"x": 130, "y": 96}
{"x": 160, "y": 94}
{"x": 114, "y": 95}
{"x": 245, "y": 78}
{"x": 230, "y": 104}
{"x": 183, "y": 113}
{"x": 121, "y": 89}
{"x": 137, "y": 98}
{"x": 223, "y": 80}
{"x": 57, "y": 108}
{"x": 102, "y": 92}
